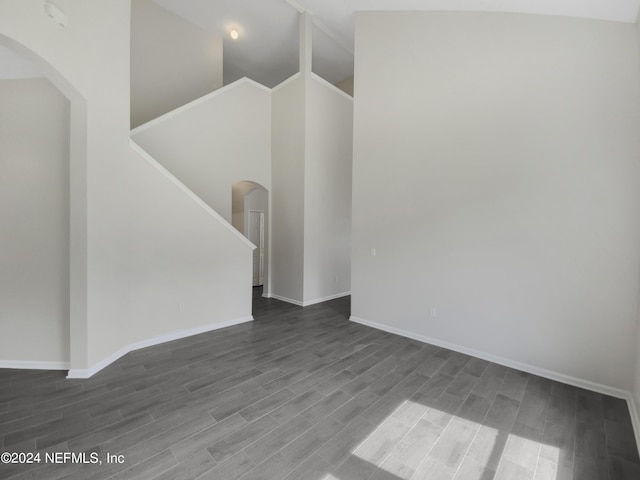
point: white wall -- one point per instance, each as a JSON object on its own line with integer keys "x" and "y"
{"x": 635, "y": 409}
{"x": 238, "y": 192}
{"x": 346, "y": 85}
{"x": 287, "y": 193}
{"x": 256, "y": 199}
{"x": 186, "y": 270}
{"x": 88, "y": 62}
{"x": 175, "y": 266}
{"x": 132, "y": 227}
{"x": 34, "y": 222}
{"x": 14, "y": 66}
{"x": 311, "y": 198}
{"x": 496, "y": 173}
{"x": 215, "y": 142}
{"x": 172, "y": 61}
{"x": 327, "y": 192}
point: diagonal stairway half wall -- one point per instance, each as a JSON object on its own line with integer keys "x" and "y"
{"x": 148, "y": 260}
{"x": 295, "y": 140}
{"x": 215, "y": 141}
{"x": 187, "y": 269}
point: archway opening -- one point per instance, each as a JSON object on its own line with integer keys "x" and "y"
{"x": 250, "y": 216}
{"x": 34, "y": 218}
{"x": 72, "y": 350}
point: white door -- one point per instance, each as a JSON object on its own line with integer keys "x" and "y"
{"x": 256, "y": 236}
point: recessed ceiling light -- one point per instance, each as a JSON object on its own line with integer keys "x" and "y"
{"x": 234, "y": 34}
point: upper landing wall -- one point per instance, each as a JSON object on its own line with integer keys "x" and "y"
{"x": 215, "y": 141}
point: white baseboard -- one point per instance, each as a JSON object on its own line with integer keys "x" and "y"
{"x": 551, "y": 375}
{"x": 309, "y": 302}
{"x": 559, "y": 377}
{"x": 326, "y": 299}
{"x": 635, "y": 418}
{"x": 285, "y": 299}
{"x": 168, "y": 337}
{"x": 95, "y": 368}
{"x": 28, "y": 365}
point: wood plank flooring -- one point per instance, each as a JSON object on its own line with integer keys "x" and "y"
{"x": 306, "y": 394}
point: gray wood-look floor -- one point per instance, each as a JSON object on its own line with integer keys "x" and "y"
{"x": 306, "y": 394}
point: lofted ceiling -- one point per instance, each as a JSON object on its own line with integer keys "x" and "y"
{"x": 339, "y": 14}
{"x": 267, "y": 47}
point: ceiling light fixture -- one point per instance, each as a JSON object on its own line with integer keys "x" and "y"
{"x": 234, "y": 34}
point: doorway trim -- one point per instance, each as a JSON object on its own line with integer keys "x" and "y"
{"x": 258, "y": 241}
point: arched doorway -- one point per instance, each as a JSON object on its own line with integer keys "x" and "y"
{"x": 44, "y": 146}
{"x": 34, "y": 218}
{"x": 250, "y": 216}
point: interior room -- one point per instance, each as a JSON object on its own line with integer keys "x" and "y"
{"x": 319, "y": 239}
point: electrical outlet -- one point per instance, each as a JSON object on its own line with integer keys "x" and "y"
{"x": 433, "y": 313}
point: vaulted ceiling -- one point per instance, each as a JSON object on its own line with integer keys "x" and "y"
{"x": 267, "y": 46}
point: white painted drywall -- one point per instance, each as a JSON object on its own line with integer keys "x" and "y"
{"x": 185, "y": 269}
{"x": 90, "y": 61}
{"x": 327, "y": 192}
{"x": 34, "y": 222}
{"x": 496, "y": 173}
{"x": 143, "y": 233}
{"x": 287, "y": 193}
{"x": 635, "y": 410}
{"x": 238, "y": 192}
{"x": 14, "y": 66}
{"x": 215, "y": 142}
{"x": 173, "y": 61}
{"x": 346, "y": 85}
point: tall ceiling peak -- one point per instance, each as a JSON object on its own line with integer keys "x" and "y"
{"x": 266, "y": 49}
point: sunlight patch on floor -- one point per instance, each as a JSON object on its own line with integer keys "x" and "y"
{"x": 442, "y": 445}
